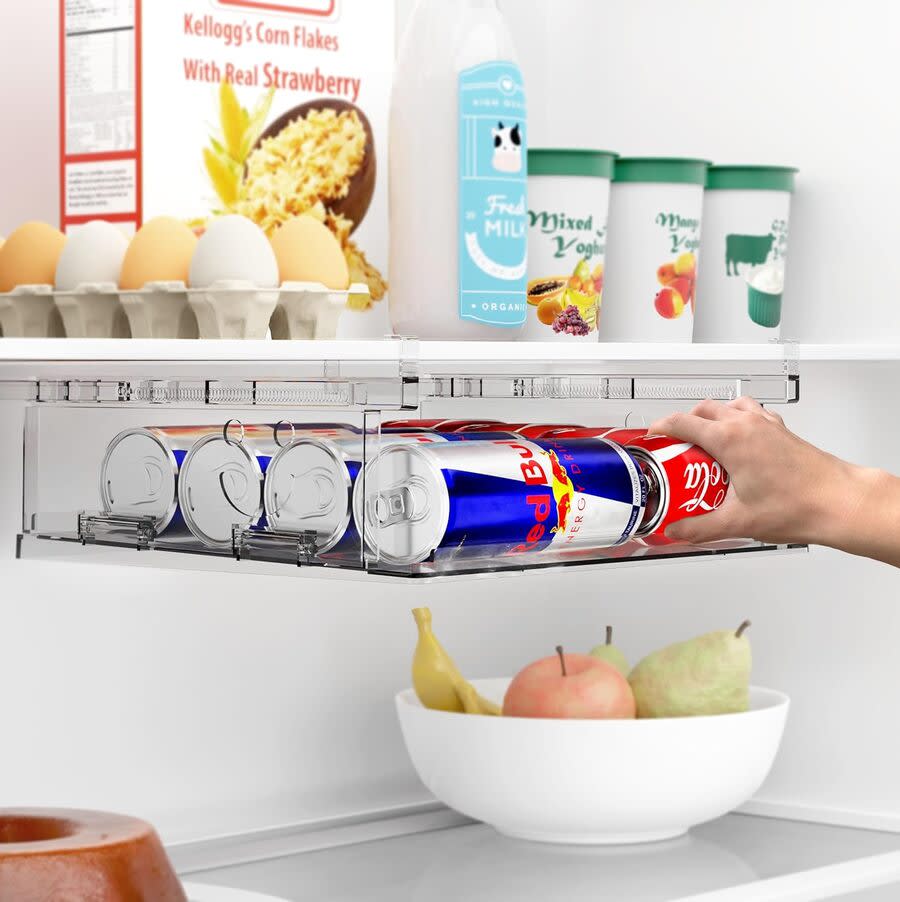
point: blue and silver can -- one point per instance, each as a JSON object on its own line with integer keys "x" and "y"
{"x": 498, "y": 497}
{"x": 310, "y": 482}
{"x": 141, "y": 468}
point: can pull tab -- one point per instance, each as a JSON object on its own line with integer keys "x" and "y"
{"x": 312, "y": 492}
{"x": 400, "y": 504}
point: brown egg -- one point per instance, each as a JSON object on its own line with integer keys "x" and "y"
{"x": 30, "y": 255}
{"x": 160, "y": 251}
{"x": 307, "y": 251}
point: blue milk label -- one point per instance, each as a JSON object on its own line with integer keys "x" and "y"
{"x": 493, "y": 186}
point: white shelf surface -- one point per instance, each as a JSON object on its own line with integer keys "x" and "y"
{"x": 738, "y": 858}
{"x": 13, "y": 349}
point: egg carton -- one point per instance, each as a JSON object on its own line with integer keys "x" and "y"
{"x": 160, "y": 310}
{"x": 30, "y": 311}
{"x": 227, "y": 309}
{"x": 93, "y": 310}
{"x": 296, "y": 310}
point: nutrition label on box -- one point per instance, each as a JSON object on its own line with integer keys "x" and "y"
{"x": 100, "y": 108}
{"x": 100, "y": 75}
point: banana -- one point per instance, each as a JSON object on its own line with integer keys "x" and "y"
{"x": 436, "y": 679}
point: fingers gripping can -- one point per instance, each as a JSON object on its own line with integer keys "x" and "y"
{"x": 498, "y": 497}
{"x": 684, "y": 481}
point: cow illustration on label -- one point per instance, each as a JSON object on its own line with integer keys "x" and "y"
{"x": 751, "y": 250}
{"x": 507, "y": 148}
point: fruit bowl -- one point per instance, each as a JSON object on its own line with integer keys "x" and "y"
{"x": 592, "y": 782}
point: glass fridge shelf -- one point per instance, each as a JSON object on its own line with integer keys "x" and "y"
{"x": 387, "y": 375}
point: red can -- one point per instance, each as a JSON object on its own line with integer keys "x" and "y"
{"x": 684, "y": 481}
{"x": 526, "y": 430}
{"x": 619, "y": 434}
{"x": 446, "y": 425}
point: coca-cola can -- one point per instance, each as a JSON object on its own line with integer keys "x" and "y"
{"x": 683, "y": 481}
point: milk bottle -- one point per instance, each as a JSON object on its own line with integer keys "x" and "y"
{"x": 458, "y": 176}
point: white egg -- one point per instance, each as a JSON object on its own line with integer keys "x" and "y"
{"x": 93, "y": 253}
{"x": 234, "y": 248}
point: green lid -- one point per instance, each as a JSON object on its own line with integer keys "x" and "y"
{"x": 569, "y": 161}
{"x": 661, "y": 169}
{"x": 751, "y": 178}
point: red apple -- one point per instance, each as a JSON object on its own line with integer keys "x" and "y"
{"x": 569, "y": 686}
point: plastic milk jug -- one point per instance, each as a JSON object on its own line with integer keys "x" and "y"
{"x": 458, "y": 177}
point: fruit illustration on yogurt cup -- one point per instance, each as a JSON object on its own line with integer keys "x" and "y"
{"x": 678, "y": 278}
{"x": 548, "y": 310}
{"x": 669, "y": 303}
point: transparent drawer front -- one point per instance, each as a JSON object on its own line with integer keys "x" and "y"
{"x": 371, "y": 491}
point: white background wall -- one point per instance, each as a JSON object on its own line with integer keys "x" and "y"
{"x": 209, "y": 702}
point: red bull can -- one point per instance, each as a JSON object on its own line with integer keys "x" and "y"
{"x": 498, "y": 497}
{"x": 309, "y": 483}
{"x": 141, "y": 467}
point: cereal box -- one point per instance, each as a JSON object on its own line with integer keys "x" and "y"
{"x": 199, "y": 108}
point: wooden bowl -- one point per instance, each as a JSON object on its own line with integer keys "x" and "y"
{"x": 362, "y": 185}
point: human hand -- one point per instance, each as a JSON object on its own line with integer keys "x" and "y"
{"x": 783, "y": 489}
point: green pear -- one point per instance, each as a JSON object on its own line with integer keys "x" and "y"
{"x": 706, "y": 675}
{"x": 611, "y": 654}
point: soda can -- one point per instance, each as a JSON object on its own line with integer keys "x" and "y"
{"x": 441, "y": 425}
{"x": 498, "y": 497}
{"x": 683, "y": 481}
{"x": 619, "y": 434}
{"x": 220, "y": 486}
{"x": 526, "y": 430}
{"x": 309, "y": 483}
{"x": 141, "y": 466}
{"x": 139, "y": 473}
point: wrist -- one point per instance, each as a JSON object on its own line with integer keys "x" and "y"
{"x": 842, "y": 510}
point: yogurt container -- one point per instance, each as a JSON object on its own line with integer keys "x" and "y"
{"x": 746, "y": 213}
{"x": 652, "y": 254}
{"x": 568, "y": 194}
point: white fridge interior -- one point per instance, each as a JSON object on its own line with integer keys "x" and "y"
{"x": 229, "y": 707}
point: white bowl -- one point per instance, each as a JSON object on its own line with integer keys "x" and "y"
{"x": 592, "y": 782}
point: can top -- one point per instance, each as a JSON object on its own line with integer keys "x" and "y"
{"x": 751, "y": 178}
{"x": 402, "y": 505}
{"x": 139, "y": 477}
{"x": 571, "y": 161}
{"x": 308, "y": 487}
{"x": 667, "y": 170}
{"x": 220, "y": 487}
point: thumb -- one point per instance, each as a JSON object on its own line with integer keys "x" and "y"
{"x": 710, "y": 527}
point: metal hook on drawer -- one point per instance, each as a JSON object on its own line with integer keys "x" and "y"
{"x": 277, "y": 426}
{"x": 640, "y": 416}
{"x": 229, "y": 441}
